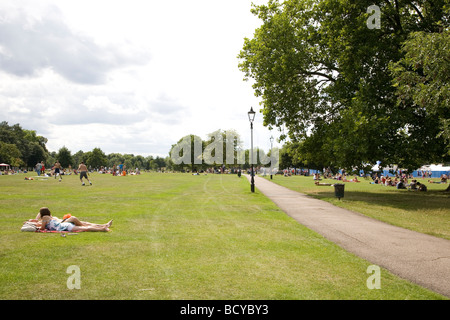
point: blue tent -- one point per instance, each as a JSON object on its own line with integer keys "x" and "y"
{"x": 432, "y": 171}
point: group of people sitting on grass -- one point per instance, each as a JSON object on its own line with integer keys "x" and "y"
{"x": 389, "y": 182}
{"x": 338, "y": 177}
{"x": 400, "y": 182}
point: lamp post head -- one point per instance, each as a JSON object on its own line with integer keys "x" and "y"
{"x": 251, "y": 115}
{"x": 271, "y": 139}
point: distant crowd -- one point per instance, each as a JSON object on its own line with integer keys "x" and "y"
{"x": 400, "y": 180}
{"x": 119, "y": 170}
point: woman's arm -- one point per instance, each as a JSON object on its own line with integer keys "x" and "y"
{"x": 44, "y": 222}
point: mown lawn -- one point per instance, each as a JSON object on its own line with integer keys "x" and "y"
{"x": 175, "y": 236}
{"x": 425, "y": 212}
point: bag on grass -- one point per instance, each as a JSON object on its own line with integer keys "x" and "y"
{"x": 28, "y": 227}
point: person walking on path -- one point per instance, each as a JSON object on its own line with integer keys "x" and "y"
{"x": 83, "y": 173}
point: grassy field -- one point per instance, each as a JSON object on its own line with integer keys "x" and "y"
{"x": 174, "y": 236}
{"x": 425, "y": 212}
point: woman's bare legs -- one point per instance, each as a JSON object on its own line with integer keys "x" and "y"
{"x": 103, "y": 228}
{"x": 79, "y": 223}
{"x": 100, "y": 227}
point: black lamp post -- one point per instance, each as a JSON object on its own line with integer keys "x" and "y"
{"x": 271, "y": 169}
{"x": 251, "y": 118}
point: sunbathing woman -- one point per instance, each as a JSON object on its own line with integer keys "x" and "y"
{"x": 66, "y": 218}
{"x": 72, "y": 224}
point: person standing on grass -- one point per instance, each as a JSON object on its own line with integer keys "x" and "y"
{"x": 83, "y": 173}
{"x": 58, "y": 170}
{"x": 38, "y": 168}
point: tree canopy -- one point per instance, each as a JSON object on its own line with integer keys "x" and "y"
{"x": 324, "y": 76}
{"x": 221, "y": 148}
{"x": 422, "y": 77}
{"x": 24, "y": 148}
{"x": 21, "y": 147}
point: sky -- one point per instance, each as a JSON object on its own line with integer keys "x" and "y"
{"x": 130, "y": 76}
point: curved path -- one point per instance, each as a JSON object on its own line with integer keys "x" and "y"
{"x": 417, "y": 257}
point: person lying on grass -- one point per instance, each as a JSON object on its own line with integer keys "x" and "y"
{"x": 46, "y": 221}
{"x": 317, "y": 183}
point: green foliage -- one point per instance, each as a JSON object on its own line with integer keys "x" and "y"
{"x": 188, "y": 144}
{"x": 24, "y": 148}
{"x": 96, "y": 158}
{"x": 10, "y": 154}
{"x": 29, "y": 148}
{"x": 422, "y": 78}
{"x": 222, "y": 147}
{"x": 65, "y": 157}
{"x": 204, "y": 153}
{"x": 323, "y": 75}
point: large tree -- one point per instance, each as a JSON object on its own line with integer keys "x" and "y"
{"x": 221, "y": 148}
{"x": 96, "y": 158}
{"x": 422, "y": 78}
{"x": 31, "y": 146}
{"x": 10, "y": 154}
{"x": 322, "y": 73}
{"x": 231, "y": 154}
{"x": 64, "y": 156}
{"x": 186, "y": 152}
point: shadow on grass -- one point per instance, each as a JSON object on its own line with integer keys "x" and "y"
{"x": 402, "y": 199}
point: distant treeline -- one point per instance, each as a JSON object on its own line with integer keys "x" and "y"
{"x": 23, "y": 148}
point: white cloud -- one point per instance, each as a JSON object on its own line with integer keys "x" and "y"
{"x": 126, "y": 76}
{"x": 17, "y": 106}
{"x": 30, "y": 45}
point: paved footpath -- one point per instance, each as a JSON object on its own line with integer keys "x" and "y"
{"x": 417, "y": 257}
